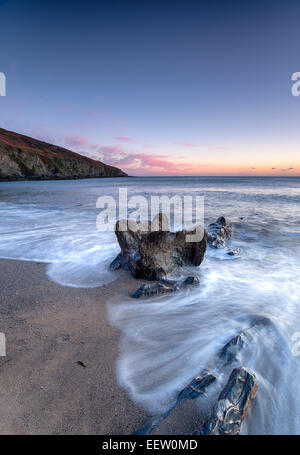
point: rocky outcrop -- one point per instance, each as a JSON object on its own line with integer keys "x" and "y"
{"x": 219, "y": 232}
{"x": 233, "y": 404}
{"x": 163, "y": 287}
{"x": 25, "y": 158}
{"x": 152, "y": 254}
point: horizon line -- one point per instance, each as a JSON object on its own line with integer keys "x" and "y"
{"x": 219, "y": 175}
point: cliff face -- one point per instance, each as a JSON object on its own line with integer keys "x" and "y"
{"x": 25, "y": 158}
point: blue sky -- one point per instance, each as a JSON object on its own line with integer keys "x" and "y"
{"x": 157, "y": 88}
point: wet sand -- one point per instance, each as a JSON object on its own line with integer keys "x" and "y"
{"x": 49, "y": 328}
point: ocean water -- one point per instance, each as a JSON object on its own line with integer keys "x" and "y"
{"x": 168, "y": 340}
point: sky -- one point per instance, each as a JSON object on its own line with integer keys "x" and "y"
{"x": 157, "y": 87}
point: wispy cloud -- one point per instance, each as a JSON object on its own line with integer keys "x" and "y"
{"x": 142, "y": 163}
{"x": 287, "y": 169}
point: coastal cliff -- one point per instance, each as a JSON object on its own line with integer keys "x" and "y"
{"x": 25, "y": 158}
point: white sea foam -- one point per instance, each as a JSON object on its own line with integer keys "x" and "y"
{"x": 167, "y": 341}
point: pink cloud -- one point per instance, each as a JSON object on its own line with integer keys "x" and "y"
{"x": 140, "y": 163}
{"x": 76, "y": 141}
{"x": 125, "y": 139}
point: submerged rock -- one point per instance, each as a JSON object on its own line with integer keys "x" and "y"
{"x": 241, "y": 387}
{"x": 163, "y": 287}
{"x": 150, "y": 252}
{"x": 233, "y": 404}
{"x": 229, "y": 352}
{"x": 219, "y": 232}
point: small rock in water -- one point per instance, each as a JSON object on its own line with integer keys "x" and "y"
{"x": 116, "y": 263}
{"x": 219, "y": 232}
{"x": 191, "y": 280}
{"x": 235, "y": 252}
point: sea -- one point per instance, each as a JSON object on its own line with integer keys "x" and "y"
{"x": 166, "y": 341}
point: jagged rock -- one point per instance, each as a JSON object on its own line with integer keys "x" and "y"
{"x": 233, "y": 404}
{"x": 196, "y": 388}
{"x": 218, "y": 233}
{"x": 152, "y": 254}
{"x": 163, "y": 287}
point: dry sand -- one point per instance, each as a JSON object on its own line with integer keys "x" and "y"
{"x": 48, "y": 329}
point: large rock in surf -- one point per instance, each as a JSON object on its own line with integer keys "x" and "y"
{"x": 219, "y": 232}
{"x": 150, "y": 250}
{"x": 233, "y": 404}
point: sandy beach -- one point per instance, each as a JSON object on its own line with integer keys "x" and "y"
{"x": 49, "y": 328}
